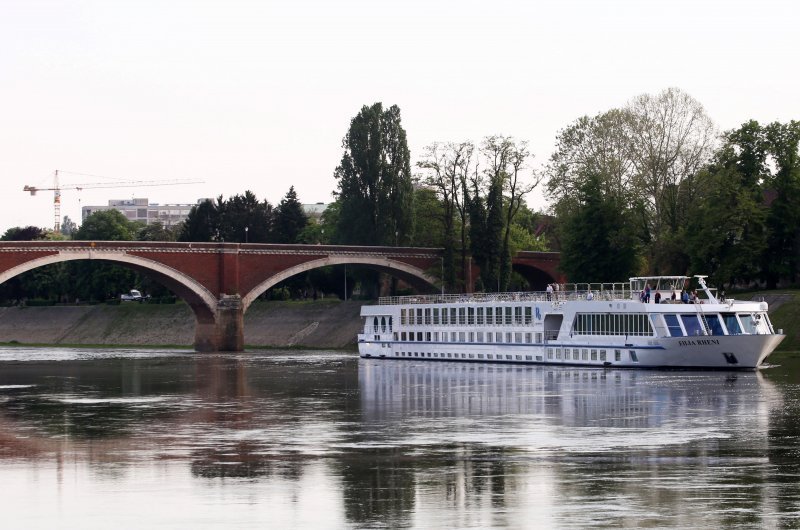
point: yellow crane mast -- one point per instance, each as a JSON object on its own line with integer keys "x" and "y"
{"x": 56, "y": 189}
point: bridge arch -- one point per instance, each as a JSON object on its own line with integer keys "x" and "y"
{"x": 201, "y": 300}
{"x": 413, "y": 275}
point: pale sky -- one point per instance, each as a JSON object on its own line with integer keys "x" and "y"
{"x": 259, "y": 94}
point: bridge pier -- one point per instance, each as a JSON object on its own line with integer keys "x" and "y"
{"x": 226, "y": 331}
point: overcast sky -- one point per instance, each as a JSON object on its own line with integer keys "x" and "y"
{"x": 259, "y": 94}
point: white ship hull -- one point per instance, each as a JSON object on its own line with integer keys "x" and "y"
{"x": 612, "y": 329}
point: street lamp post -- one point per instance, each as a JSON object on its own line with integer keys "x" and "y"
{"x": 246, "y": 229}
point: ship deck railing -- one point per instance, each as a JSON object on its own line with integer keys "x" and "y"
{"x": 567, "y": 292}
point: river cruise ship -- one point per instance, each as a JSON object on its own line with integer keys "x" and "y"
{"x": 646, "y": 323}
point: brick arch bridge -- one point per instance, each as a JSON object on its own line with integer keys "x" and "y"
{"x": 219, "y": 281}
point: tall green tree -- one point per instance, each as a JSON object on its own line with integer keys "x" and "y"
{"x": 782, "y": 257}
{"x": 244, "y": 218}
{"x": 726, "y": 236}
{"x": 596, "y": 241}
{"x": 374, "y": 180}
{"x": 289, "y": 220}
{"x": 202, "y": 223}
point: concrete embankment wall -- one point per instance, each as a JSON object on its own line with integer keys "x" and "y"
{"x": 318, "y": 324}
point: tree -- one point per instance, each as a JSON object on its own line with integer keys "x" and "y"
{"x": 242, "y": 212}
{"x": 671, "y": 139}
{"x": 374, "y": 180}
{"x": 783, "y": 244}
{"x": 107, "y": 225}
{"x": 28, "y": 233}
{"x": 289, "y": 219}
{"x": 447, "y": 168}
{"x": 644, "y": 156}
{"x": 68, "y": 226}
{"x": 155, "y": 232}
{"x": 202, "y": 223}
{"x": 596, "y": 241}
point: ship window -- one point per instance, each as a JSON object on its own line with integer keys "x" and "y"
{"x": 419, "y": 336}
{"x": 673, "y": 325}
{"x": 449, "y": 355}
{"x": 538, "y": 357}
{"x": 558, "y": 353}
{"x": 435, "y": 315}
{"x": 460, "y": 336}
{"x": 517, "y": 315}
{"x": 435, "y": 336}
{"x": 634, "y": 358}
{"x": 508, "y": 337}
{"x": 528, "y": 358}
{"x": 403, "y": 318}
{"x": 528, "y": 314}
{"x": 714, "y": 325}
{"x": 617, "y": 355}
{"x": 585, "y": 354}
{"x": 395, "y": 336}
{"x": 528, "y": 338}
{"x": 472, "y": 336}
{"x": 463, "y": 355}
{"x": 518, "y": 337}
{"x": 383, "y": 324}
{"x": 428, "y": 336}
{"x": 375, "y": 324}
{"x": 602, "y": 355}
{"x": 566, "y": 353}
{"x": 508, "y": 357}
{"x": 498, "y": 337}
{"x": 462, "y": 318}
{"x": 508, "y": 316}
{"x": 498, "y": 316}
{"x": 428, "y": 316}
{"x": 489, "y": 316}
{"x": 549, "y": 353}
{"x": 470, "y": 316}
{"x": 748, "y": 324}
{"x": 692, "y": 325}
{"x": 480, "y": 356}
{"x": 488, "y": 355}
{"x": 419, "y": 316}
{"x": 480, "y": 316}
{"x": 489, "y": 336}
{"x": 731, "y": 323}
{"x": 538, "y": 338}
{"x": 519, "y": 357}
{"x": 444, "y": 316}
{"x": 594, "y": 355}
{"x": 429, "y": 354}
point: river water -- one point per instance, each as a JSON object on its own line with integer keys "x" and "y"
{"x": 299, "y": 439}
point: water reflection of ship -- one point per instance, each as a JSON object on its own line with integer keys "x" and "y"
{"x": 568, "y": 396}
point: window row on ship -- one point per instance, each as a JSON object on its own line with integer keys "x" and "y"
{"x": 609, "y": 324}
{"x": 466, "y": 316}
{"x": 553, "y": 354}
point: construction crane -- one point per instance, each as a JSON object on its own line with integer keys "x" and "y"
{"x": 56, "y": 189}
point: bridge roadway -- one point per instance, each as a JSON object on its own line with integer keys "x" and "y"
{"x": 219, "y": 281}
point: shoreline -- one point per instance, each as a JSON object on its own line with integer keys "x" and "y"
{"x": 321, "y": 324}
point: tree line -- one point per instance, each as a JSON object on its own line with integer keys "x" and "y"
{"x": 648, "y": 188}
{"x": 654, "y": 188}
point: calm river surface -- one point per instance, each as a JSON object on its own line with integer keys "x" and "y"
{"x": 141, "y": 438}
